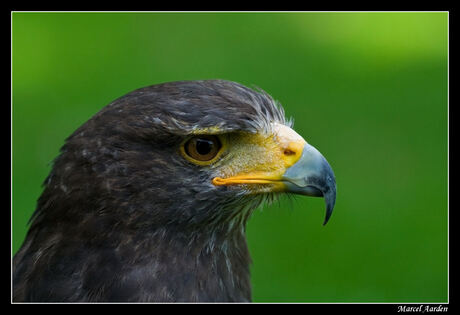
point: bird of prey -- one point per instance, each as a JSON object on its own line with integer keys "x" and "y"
{"x": 148, "y": 200}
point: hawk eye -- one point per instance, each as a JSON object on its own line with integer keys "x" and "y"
{"x": 202, "y": 148}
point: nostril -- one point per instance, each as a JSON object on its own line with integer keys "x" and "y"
{"x": 289, "y": 152}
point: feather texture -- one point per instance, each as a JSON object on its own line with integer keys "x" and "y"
{"x": 123, "y": 217}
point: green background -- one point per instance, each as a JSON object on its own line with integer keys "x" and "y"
{"x": 369, "y": 90}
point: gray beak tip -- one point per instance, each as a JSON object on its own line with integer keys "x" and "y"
{"x": 329, "y": 196}
{"x": 329, "y": 199}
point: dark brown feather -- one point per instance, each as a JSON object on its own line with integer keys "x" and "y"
{"x": 124, "y": 218}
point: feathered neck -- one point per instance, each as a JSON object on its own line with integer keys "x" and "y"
{"x": 176, "y": 266}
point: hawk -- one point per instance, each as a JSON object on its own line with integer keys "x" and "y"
{"x": 148, "y": 200}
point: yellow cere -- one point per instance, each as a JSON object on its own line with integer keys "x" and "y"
{"x": 259, "y": 158}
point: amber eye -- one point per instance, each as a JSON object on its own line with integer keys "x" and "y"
{"x": 202, "y": 148}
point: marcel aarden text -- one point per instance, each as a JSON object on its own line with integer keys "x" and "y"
{"x": 422, "y": 308}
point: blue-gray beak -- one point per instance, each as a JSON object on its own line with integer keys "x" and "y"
{"x": 312, "y": 175}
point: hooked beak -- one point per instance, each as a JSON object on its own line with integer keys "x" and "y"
{"x": 301, "y": 170}
{"x": 312, "y": 175}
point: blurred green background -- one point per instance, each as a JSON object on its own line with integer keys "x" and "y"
{"x": 369, "y": 90}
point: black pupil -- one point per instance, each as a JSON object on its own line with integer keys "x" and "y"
{"x": 203, "y": 146}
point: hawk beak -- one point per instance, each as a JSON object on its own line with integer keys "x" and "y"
{"x": 312, "y": 175}
{"x": 303, "y": 170}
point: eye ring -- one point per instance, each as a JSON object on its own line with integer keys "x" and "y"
{"x": 202, "y": 149}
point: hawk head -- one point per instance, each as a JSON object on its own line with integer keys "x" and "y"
{"x": 148, "y": 199}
